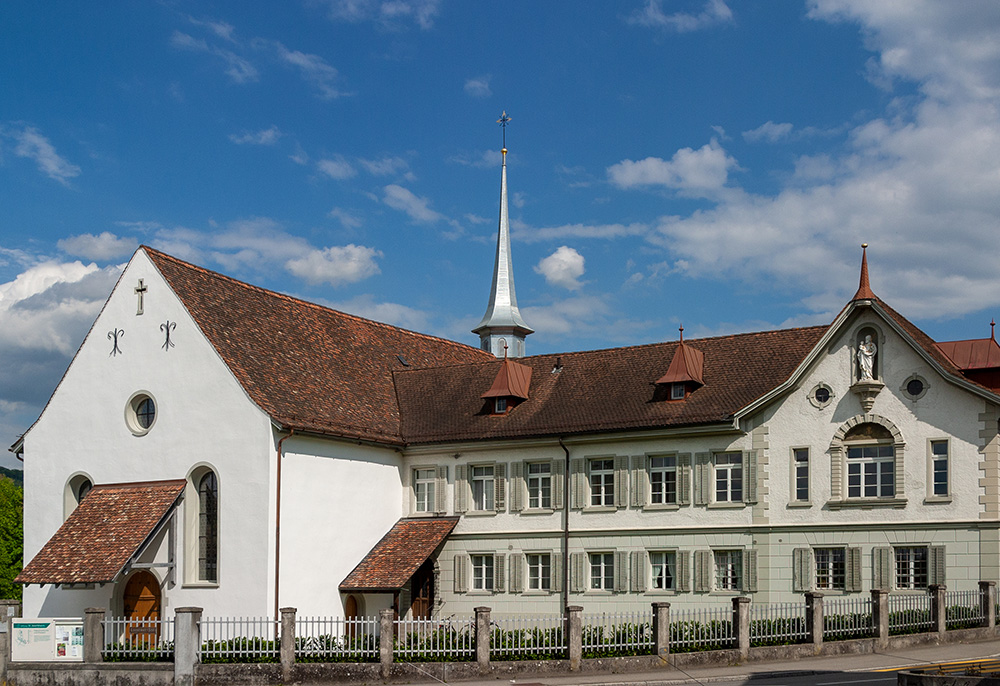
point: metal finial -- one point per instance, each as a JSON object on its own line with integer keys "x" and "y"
{"x": 993, "y": 323}
{"x": 503, "y": 121}
{"x": 682, "y": 333}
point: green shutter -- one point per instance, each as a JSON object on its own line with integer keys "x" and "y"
{"x": 578, "y": 484}
{"x": 516, "y": 573}
{"x": 639, "y": 571}
{"x": 936, "y": 571}
{"x": 461, "y": 576}
{"x": 750, "y": 476}
{"x": 852, "y": 582}
{"x": 441, "y": 490}
{"x": 556, "y": 580}
{"x": 499, "y": 573}
{"x": 802, "y": 578}
{"x": 684, "y": 478}
{"x": 702, "y": 478}
{"x": 578, "y": 572}
{"x": 621, "y": 481}
{"x": 882, "y": 572}
{"x": 517, "y": 470}
{"x": 749, "y": 580}
{"x": 682, "y": 576}
{"x": 500, "y": 487}
{"x": 621, "y": 571}
{"x": 639, "y": 480}
{"x": 461, "y": 489}
{"x": 558, "y": 471}
{"x": 703, "y": 566}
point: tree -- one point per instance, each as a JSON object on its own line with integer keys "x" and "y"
{"x": 11, "y": 538}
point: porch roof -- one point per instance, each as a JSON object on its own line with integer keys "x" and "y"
{"x": 398, "y": 556}
{"x": 111, "y": 525}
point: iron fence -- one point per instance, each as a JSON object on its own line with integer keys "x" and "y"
{"x": 336, "y": 639}
{"x": 620, "y": 633}
{"x": 846, "y": 618}
{"x": 701, "y": 629}
{"x": 964, "y": 609}
{"x": 911, "y": 614}
{"x": 517, "y": 637}
{"x": 778, "y": 624}
{"x": 138, "y": 640}
{"x": 435, "y": 640}
{"x": 240, "y": 639}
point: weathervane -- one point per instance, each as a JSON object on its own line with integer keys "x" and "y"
{"x": 503, "y": 121}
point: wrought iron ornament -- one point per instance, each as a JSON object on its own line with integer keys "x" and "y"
{"x": 503, "y": 121}
{"x": 140, "y": 290}
{"x": 167, "y": 343}
{"x": 114, "y": 336}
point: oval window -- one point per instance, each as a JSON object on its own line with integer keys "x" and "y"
{"x": 140, "y": 413}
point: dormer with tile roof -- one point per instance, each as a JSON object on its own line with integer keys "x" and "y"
{"x": 685, "y": 372}
{"x": 510, "y": 386}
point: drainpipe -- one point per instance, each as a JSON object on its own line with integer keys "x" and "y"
{"x": 277, "y": 524}
{"x": 566, "y": 496}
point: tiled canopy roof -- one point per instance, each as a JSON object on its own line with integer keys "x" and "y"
{"x": 980, "y": 353}
{"x": 687, "y": 365}
{"x": 600, "y": 390}
{"x": 307, "y": 366}
{"x": 103, "y": 533}
{"x": 399, "y": 554}
{"x": 512, "y": 381}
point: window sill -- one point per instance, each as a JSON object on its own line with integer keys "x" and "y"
{"x": 661, "y": 592}
{"x": 200, "y": 584}
{"x": 427, "y": 514}
{"x": 537, "y": 592}
{"x": 660, "y": 507}
{"x": 726, "y": 506}
{"x": 866, "y": 503}
{"x": 935, "y": 499}
{"x": 599, "y": 509}
{"x": 537, "y": 511}
{"x": 799, "y": 504}
{"x": 481, "y": 513}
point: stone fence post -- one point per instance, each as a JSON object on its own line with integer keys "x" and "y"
{"x": 661, "y": 629}
{"x": 483, "y": 638}
{"x": 880, "y": 616}
{"x": 8, "y": 610}
{"x": 93, "y": 634}
{"x": 988, "y": 602}
{"x": 814, "y": 617}
{"x": 187, "y": 644}
{"x": 287, "y": 642}
{"x": 741, "y": 624}
{"x": 574, "y": 636}
{"x": 939, "y": 612}
{"x": 386, "y": 618}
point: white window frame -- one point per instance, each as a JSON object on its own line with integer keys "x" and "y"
{"x": 938, "y": 465}
{"x": 663, "y": 570}
{"x": 539, "y": 571}
{"x": 483, "y": 476}
{"x": 911, "y": 572}
{"x": 539, "y": 485}
{"x": 728, "y": 570}
{"x": 728, "y": 479}
{"x": 677, "y": 391}
{"x": 801, "y": 471}
{"x": 601, "y": 481}
{"x": 602, "y": 571}
{"x": 867, "y": 472}
{"x": 425, "y": 490}
{"x": 830, "y": 568}
{"x": 483, "y": 566}
{"x": 664, "y": 470}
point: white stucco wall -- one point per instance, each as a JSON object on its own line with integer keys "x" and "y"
{"x": 203, "y": 417}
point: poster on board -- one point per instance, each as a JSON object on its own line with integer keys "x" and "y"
{"x": 46, "y": 640}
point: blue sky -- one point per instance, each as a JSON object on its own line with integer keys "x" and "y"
{"x": 715, "y": 164}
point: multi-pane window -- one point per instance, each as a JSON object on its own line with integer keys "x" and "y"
{"x": 602, "y": 571}
{"x": 871, "y": 471}
{"x": 482, "y": 487}
{"x": 208, "y": 528}
{"x": 911, "y": 568}
{"x": 728, "y": 477}
{"x": 602, "y": 482}
{"x": 482, "y": 572}
{"x": 800, "y": 458}
{"x": 423, "y": 489}
{"x": 939, "y": 467}
{"x": 539, "y": 484}
{"x": 677, "y": 391}
{"x": 830, "y": 568}
{"x": 663, "y": 480}
{"x": 728, "y": 570}
{"x": 663, "y": 568}
{"x": 539, "y": 571}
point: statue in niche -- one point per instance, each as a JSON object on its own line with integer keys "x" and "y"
{"x": 866, "y": 358}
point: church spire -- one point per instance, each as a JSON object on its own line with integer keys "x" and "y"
{"x": 864, "y": 290}
{"x": 502, "y": 327}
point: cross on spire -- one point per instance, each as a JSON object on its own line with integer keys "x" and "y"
{"x": 503, "y": 121}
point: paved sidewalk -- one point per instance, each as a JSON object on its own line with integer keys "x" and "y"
{"x": 669, "y": 676}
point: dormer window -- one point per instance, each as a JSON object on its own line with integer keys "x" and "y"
{"x": 509, "y": 388}
{"x": 500, "y": 406}
{"x": 677, "y": 391}
{"x": 684, "y": 374}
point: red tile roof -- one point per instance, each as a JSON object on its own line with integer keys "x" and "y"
{"x": 307, "y": 366}
{"x": 103, "y": 533}
{"x": 399, "y": 554}
{"x": 600, "y": 390}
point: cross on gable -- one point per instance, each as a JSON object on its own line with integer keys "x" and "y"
{"x": 140, "y": 290}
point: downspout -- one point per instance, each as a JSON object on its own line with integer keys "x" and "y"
{"x": 277, "y": 525}
{"x": 565, "y": 546}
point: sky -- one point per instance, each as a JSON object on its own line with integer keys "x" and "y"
{"x": 715, "y": 164}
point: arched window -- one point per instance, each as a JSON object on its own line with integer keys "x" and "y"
{"x": 82, "y": 490}
{"x": 866, "y": 462}
{"x": 76, "y": 490}
{"x": 208, "y": 528}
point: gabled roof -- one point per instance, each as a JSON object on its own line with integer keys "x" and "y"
{"x": 687, "y": 365}
{"x": 512, "y": 381}
{"x": 307, "y": 366}
{"x": 600, "y": 390}
{"x": 108, "y": 528}
{"x": 399, "y": 554}
{"x": 979, "y": 353}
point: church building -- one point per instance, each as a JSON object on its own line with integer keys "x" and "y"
{"x": 219, "y": 445}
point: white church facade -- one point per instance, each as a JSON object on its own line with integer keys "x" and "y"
{"x": 218, "y": 445}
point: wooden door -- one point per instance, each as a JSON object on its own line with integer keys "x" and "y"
{"x": 141, "y": 604}
{"x": 423, "y": 592}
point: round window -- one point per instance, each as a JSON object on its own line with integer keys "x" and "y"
{"x": 140, "y": 413}
{"x": 915, "y": 387}
{"x": 822, "y": 395}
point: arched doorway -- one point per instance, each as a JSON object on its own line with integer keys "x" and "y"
{"x": 141, "y": 606}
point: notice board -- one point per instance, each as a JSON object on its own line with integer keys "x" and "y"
{"x": 46, "y": 640}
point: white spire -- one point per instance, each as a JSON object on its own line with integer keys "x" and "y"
{"x": 502, "y": 325}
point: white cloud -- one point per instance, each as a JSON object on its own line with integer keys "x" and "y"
{"x": 563, "y": 268}
{"x": 387, "y": 313}
{"x": 219, "y": 28}
{"x": 487, "y": 159}
{"x": 103, "y": 247}
{"x": 478, "y": 87}
{"x": 346, "y": 219}
{"x": 31, "y": 144}
{"x": 768, "y": 131}
{"x": 337, "y": 168}
{"x": 312, "y": 68}
{"x": 417, "y": 208}
{"x": 530, "y": 234}
{"x": 336, "y": 265}
{"x": 263, "y": 137}
{"x": 386, "y": 166}
{"x": 390, "y": 14}
{"x": 239, "y": 69}
{"x": 714, "y": 12}
{"x": 692, "y": 172}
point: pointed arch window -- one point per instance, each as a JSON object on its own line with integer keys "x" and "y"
{"x": 208, "y": 528}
